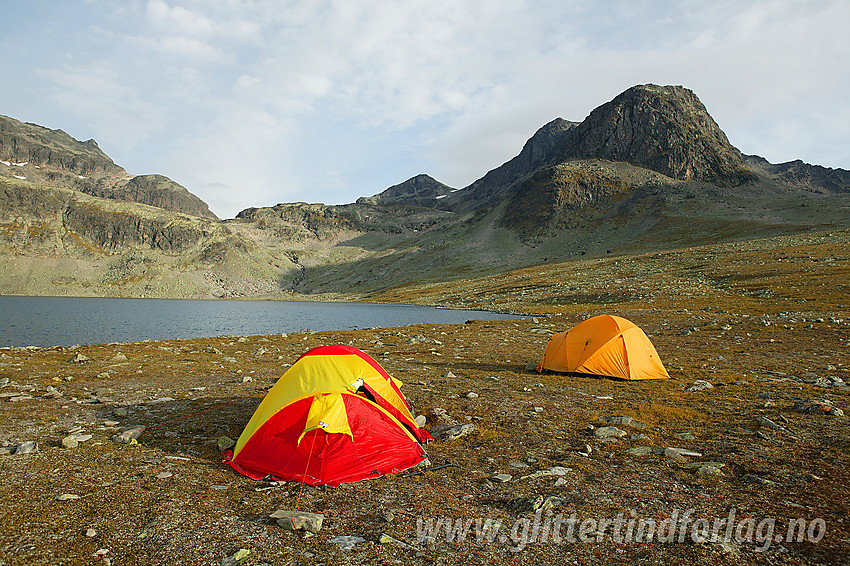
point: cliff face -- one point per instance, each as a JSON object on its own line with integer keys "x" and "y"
{"x": 52, "y": 149}
{"x": 154, "y": 190}
{"x": 105, "y": 225}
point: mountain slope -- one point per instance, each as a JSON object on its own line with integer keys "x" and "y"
{"x": 540, "y": 150}
{"x": 649, "y": 170}
{"x": 802, "y": 175}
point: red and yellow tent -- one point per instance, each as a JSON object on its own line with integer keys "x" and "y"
{"x": 336, "y": 416}
{"x": 604, "y": 345}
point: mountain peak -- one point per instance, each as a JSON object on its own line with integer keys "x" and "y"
{"x": 663, "y": 128}
{"x": 421, "y": 190}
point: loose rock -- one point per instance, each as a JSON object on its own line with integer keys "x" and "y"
{"x": 128, "y": 436}
{"x": 452, "y": 432}
{"x": 818, "y": 407}
{"x": 609, "y": 432}
{"x": 298, "y": 520}
{"x": 347, "y": 543}
{"x": 28, "y": 447}
{"x": 241, "y": 556}
{"x": 623, "y": 420}
{"x": 699, "y": 385}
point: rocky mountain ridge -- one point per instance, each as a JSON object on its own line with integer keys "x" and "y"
{"x": 39, "y": 154}
{"x": 648, "y": 170}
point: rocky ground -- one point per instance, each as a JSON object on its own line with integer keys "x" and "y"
{"x": 755, "y": 336}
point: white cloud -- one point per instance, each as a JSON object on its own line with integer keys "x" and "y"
{"x": 120, "y": 116}
{"x": 307, "y": 98}
{"x": 180, "y": 19}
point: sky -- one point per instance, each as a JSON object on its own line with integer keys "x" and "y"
{"x": 250, "y": 103}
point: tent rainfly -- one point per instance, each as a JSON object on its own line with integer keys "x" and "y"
{"x": 604, "y": 345}
{"x": 336, "y": 416}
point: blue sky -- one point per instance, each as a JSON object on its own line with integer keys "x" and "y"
{"x": 255, "y": 102}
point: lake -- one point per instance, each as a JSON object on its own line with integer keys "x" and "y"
{"x": 65, "y": 321}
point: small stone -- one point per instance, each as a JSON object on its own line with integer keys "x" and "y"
{"x": 164, "y": 475}
{"x": 67, "y": 497}
{"x": 679, "y": 453}
{"x": 347, "y": 543}
{"x": 709, "y": 471}
{"x": 225, "y": 443}
{"x": 623, "y": 420}
{"x": 751, "y": 478}
{"x": 449, "y": 374}
{"x": 452, "y": 432}
{"x": 420, "y": 420}
{"x": 441, "y": 416}
{"x": 91, "y": 533}
{"x": 28, "y": 447}
{"x": 245, "y": 379}
{"x": 537, "y": 474}
{"x": 503, "y": 478}
{"x": 699, "y": 385}
{"x": 387, "y": 539}
{"x": 241, "y": 556}
{"x": 104, "y": 375}
{"x": 119, "y": 357}
{"x": 472, "y": 395}
{"x": 298, "y": 520}
{"x": 818, "y": 407}
{"x": 640, "y": 451}
{"x": 609, "y": 432}
{"x": 771, "y": 424}
{"x": 128, "y": 436}
{"x": 78, "y": 358}
{"x": 531, "y": 366}
{"x": 70, "y": 441}
{"x": 83, "y": 437}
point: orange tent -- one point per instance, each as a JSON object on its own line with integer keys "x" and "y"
{"x": 336, "y": 416}
{"x": 604, "y": 345}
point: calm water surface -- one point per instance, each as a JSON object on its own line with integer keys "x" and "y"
{"x": 64, "y": 321}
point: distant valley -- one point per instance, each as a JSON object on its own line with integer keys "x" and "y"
{"x": 648, "y": 170}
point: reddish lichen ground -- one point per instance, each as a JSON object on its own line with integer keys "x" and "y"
{"x": 767, "y": 323}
